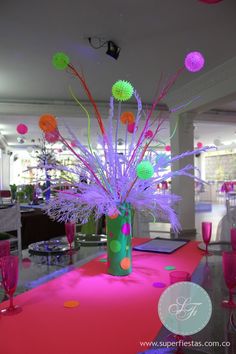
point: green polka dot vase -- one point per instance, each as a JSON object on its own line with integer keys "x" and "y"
{"x": 119, "y": 235}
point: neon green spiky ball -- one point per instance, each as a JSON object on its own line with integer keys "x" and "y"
{"x": 122, "y": 90}
{"x": 144, "y": 170}
{"x": 60, "y": 61}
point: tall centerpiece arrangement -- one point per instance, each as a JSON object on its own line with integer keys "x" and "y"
{"x": 117, "y": 182}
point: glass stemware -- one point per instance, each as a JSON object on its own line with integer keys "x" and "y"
{"x": 9, "y": 268}
{"x": 206, "y": 235}
{"x": 233, "y": 239}
{"x": 229, "y": 270}
{"x": 175, "y": 277}
{"x": 4, "y": 250}
{"x": 70, "y": 233}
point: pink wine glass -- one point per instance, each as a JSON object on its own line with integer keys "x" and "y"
{"x": 206, "y": 235}
{"x": 233, "y": 239}
{"x": 9, "y": 268}
{"x": 70, "y": 233}
{"x": 4, "y": 250}
{"x": 229, "y": 270}
{"x": 175, "y": 277}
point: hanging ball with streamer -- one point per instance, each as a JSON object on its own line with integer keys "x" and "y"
{"x": 145, "y": 170}
{"x": 194, "y": 61}
{"x": 148, "y": 134}
{"x": 122, "y": 90}
{"x": 52, "y": 136}
{"x": 60, "y": 61}
{"x": 47, "y": 123}
{"x": 22, "y": 129}
{"x": 131, "y": 127}
{"x": 127, "y": 118}
{"x": 199, "y": 145}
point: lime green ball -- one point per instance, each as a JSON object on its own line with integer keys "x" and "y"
{"x": 60, "y": 61}
{"x": 122, "y": 90}
{"x": 145, "y": 170}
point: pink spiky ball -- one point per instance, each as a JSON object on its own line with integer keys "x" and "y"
{"x": 194, "y": 61}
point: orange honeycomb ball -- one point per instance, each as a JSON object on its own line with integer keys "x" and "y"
{"x": 47, "y": 123}
{"x": 127, "y": 118}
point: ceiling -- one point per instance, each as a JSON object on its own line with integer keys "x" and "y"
{"x": 154, "y": 40}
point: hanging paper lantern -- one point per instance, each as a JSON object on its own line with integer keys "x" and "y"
{"x": 122, "y": 90}
{"x": 210, "y": 1}
{"x": 60, "y": 61}
{"x": 52, "y": 136}
{"x": 145, "y": 170}
{"x": 131, "y": 127}
{"x": 127, "y": 118}
{"x": 148, "y": 134}
{"x": 22, "y": 129}
{"x": 199, "y": 145}
{"x": 47, "y": 123}
{"x": 168, "y": 148}
{"x": 194, "y": 61}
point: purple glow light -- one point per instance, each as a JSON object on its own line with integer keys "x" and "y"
{"x": 194, "y": 61}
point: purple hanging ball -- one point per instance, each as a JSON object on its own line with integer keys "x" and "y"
{"x": 194, "y": 61}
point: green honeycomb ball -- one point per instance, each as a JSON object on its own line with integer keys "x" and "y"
{"x": 122, "y": 90}
{"x": 145, "y": 170}
{"x": 60, "y": 61}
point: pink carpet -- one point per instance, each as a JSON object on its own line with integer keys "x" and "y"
{"x": 114, "y": 313}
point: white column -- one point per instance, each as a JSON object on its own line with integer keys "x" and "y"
{"x": 182, "y": 141}
{"x": 5, "y": 178}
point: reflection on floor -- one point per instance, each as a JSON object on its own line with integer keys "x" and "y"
{"x": 214, "y": 213}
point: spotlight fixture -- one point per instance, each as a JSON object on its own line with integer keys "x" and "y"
{"x": 112, "y": 49}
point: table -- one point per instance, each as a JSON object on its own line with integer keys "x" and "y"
{"x": 208, "y": 274}
{"x": 37, "y": 226}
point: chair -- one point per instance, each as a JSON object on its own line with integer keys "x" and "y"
{"x": 231, "y": 206}
{"x": 229, "y": 219}
{"x": 10, "y": 220}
